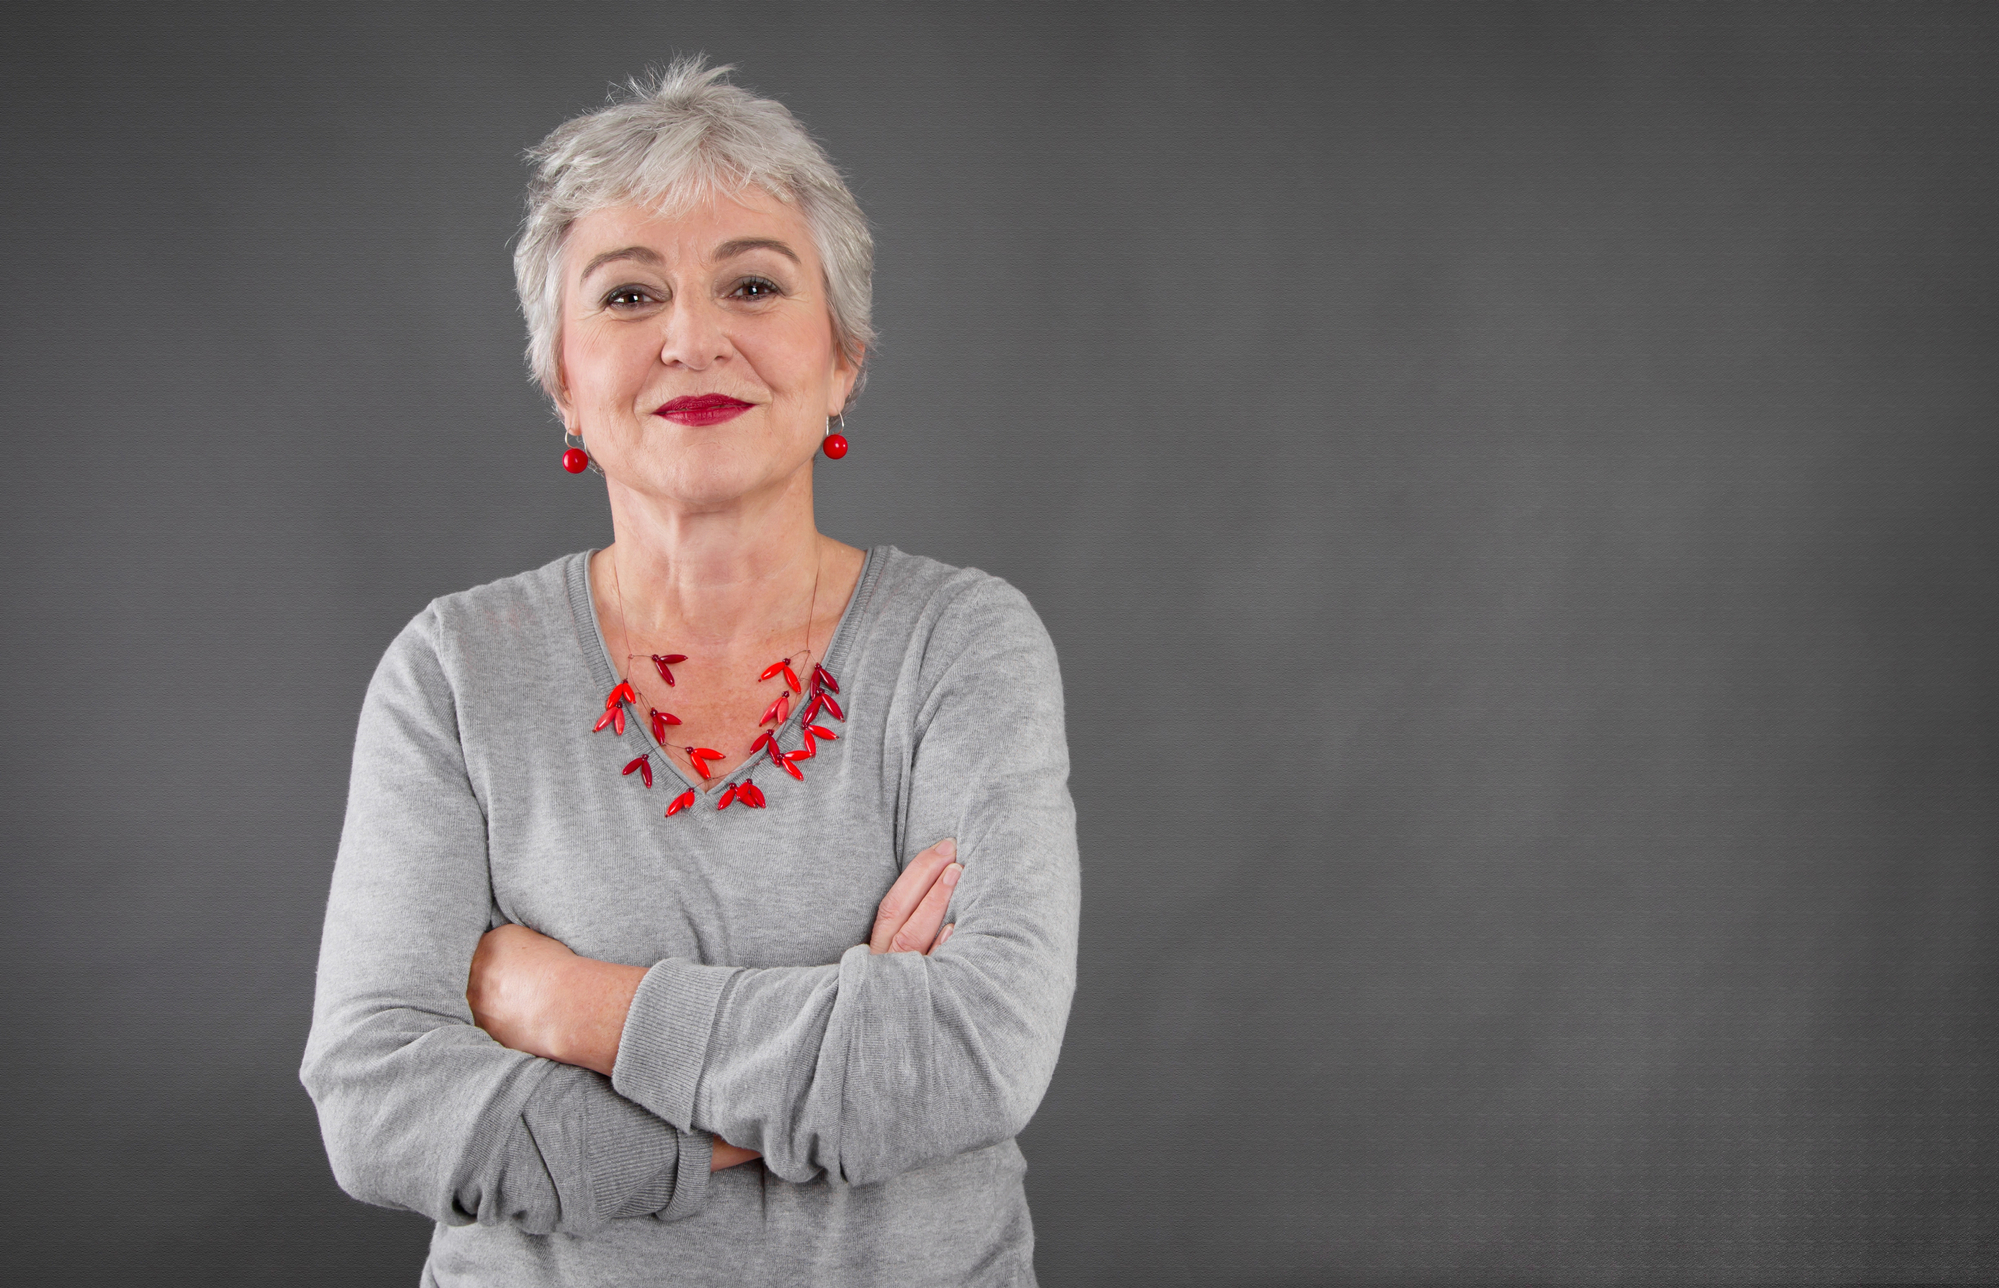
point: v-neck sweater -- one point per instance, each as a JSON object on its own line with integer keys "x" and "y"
{"x": 883, "y": 1091}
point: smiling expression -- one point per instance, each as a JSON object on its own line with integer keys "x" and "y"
{"x": 697, "y": 354}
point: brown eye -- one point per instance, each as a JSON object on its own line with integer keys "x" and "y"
{"x": 756, "y": 288}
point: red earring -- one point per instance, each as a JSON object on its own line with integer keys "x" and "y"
{"x": 835, "y": 445}
{"x": 576, "y": 460}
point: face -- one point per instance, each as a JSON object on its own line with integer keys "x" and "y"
{"x": 697, "y": 356}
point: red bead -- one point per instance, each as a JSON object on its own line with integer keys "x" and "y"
{"x": 644, "y": 766}
{"x": 835, "y": 446}
{"x": 791, "y": 678}
{"x": 662, "y": 662}
{"x": 575, "y": 460}
{"x": 776, "y": 756}
{"x": 618, "y": 720}
{"x": 680, "y": 802}
{"x": 772, "y": 669}
{"x": 820, "y": 731}
{"x": 729, "y": 797}
{"x": 807, "y": 752}
{"x": 604, "y": 719}
{"x": 831, "y": 705}
{"x": 623, "y": 693}
{"x": 762, "y": 739}
{"x": 701, "y": 756}
{"x": 823, "y": 677}
{"x": 752, "y": 794}
{"x": 660, "y": 720}
{"x": 784, "y": 763}
{"x": 777, "y": 710}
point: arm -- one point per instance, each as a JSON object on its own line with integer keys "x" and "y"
{"x": 883, "y": 1062}
{"x": 419, "y": 1108}
{"x": 533, "y": 993}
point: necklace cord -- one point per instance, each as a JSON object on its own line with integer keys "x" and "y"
{"x": 625, "y": 623}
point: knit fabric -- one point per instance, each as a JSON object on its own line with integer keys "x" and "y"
{"x": 884, "y": 1092}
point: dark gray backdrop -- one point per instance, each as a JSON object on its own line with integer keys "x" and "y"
{"x": 1511, "y": 486}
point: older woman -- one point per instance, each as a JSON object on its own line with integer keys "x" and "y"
{"x": 688, "y": 811}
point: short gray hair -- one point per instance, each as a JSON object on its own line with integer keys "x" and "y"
{"x": 668, "y": 140}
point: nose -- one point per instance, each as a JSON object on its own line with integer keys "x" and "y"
{"x": 695, "y": 335}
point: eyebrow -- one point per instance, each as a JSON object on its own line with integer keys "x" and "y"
{"x": 628, "y": 252}
{"x": 729, "y": 250}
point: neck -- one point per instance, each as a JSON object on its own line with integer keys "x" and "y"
{"x": 713, "y": 578}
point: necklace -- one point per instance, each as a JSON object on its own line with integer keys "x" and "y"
{"x": 745, "y": 793}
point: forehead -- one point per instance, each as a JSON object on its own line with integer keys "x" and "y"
{"x": 691, "y": 235}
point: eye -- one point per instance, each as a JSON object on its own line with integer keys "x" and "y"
{"x": 630, "y": 296}
{"x": 757, "y": 288}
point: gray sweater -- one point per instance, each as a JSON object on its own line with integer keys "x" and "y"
{"x": 884, "y": 1092}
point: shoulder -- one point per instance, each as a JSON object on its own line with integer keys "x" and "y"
{"x": 943, "y": 617}
{"x": 510, "y": 603}
{"x": 499, "y": 625}
{"x": 916, "y": 584}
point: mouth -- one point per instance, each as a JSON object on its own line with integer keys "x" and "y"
{"x": 703, "y": 409}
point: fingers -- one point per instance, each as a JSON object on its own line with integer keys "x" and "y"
{"x": 919, "y": 933}
{"x": 508, "y": 966}
{"x": 941, "y": 938}
{"x": 725, "y": 1155}
{"x": 908, "y": 891}
{"x": 512, "y": 941}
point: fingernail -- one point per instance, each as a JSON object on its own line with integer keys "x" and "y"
{"x": 951, "y": 874}
{"x": 948, "y": 848}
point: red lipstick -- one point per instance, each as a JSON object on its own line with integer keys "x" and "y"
{"x": 703, "y": 409}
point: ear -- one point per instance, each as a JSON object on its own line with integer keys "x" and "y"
{"x": 846, "y": 372}
{"x": 559, "y": 395}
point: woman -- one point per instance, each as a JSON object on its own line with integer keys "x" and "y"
{"x": 688, "y": 811}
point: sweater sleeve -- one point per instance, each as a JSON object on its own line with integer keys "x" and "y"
{"x": 420, "y": 1108}
{"x": 875, "y": 1065}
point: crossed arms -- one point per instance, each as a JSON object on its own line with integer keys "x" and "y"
{"x": 854, "y": 1071}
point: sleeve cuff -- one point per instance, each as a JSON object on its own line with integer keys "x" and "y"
{"x": 665, "y": 1040}
{"x": 607, "y": 1159}
{"x": 690, "y": 1184}
{"x": 634, "y": 1159}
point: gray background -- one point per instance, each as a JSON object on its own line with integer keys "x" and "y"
{"x": 1512, "y": 488}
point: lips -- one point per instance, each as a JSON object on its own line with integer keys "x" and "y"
{"x": 703, "y": 409}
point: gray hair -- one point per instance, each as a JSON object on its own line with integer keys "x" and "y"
{"x": 671, "y": 139}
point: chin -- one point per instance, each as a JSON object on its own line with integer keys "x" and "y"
{"x": 716, "y": 483}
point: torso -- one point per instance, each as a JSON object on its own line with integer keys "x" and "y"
{"x": 716, "y": 692}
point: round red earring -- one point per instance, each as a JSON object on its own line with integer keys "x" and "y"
{"x": 835, "y": 445}
{"x": 575, "y": 460}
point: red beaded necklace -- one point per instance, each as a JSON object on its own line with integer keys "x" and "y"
{"x": 746, "y": 793}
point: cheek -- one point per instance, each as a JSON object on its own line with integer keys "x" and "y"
{"x": 808, "y": 362}
{"x": 596, "y": 366}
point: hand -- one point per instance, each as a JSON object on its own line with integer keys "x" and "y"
{"x": 727, "y": 1155}
{"x": 534, "y": 995}
{"x": 911, "y": 916}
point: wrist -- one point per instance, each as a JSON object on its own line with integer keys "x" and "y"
{"x": 587, "y": 1010}
{"x": 562, "y": 987}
